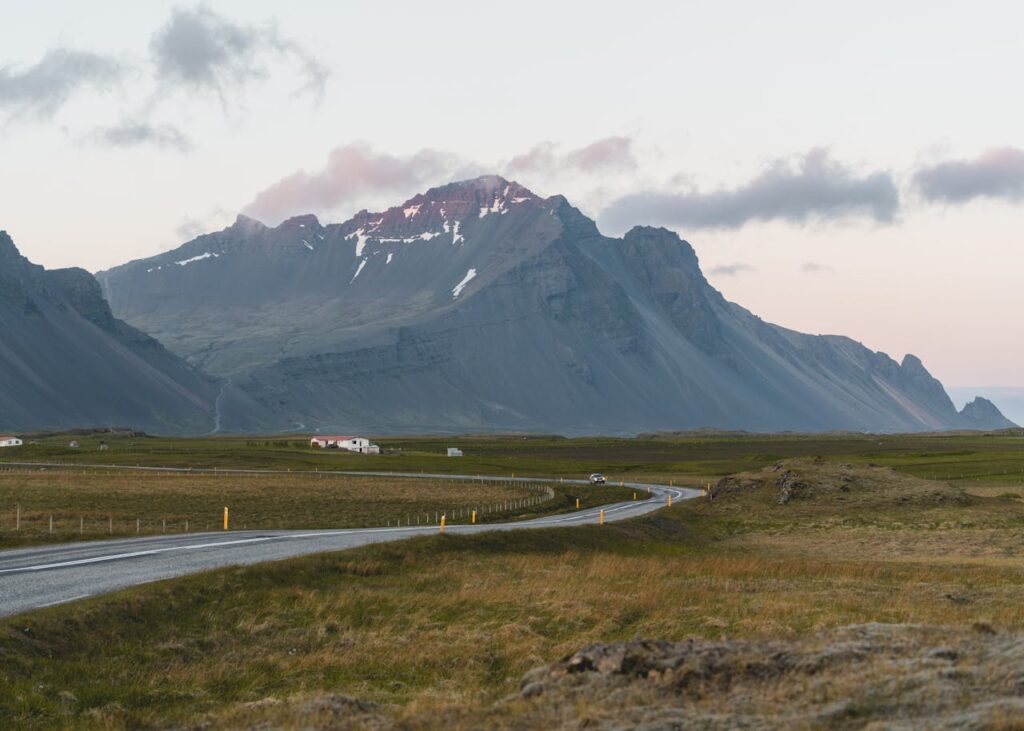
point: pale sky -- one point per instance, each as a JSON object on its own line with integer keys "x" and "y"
{"x": 855, "y": 170}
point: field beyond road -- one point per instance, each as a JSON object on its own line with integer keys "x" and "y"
{"x": 47, "y": 505}
{"x": 971, "y": 459}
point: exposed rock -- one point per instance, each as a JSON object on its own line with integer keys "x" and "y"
{"x": 852, "y": 677}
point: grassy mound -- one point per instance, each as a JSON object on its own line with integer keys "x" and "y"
{"x": 838, "y": 483}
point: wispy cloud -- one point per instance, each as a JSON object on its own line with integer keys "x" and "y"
{"x": 196, "y": 50}
{"x": 997, "y": 173}
{"x": 813, "y": 267}
{"x": 351, "y": 171}
{"x": 203, "y": 51}
{"x": 40, "y": 90}
{"x": 138, "y": 133}
{"x": 610, "y": 153}
{"x": 191, "y": 226}
{"x": 546, "y": 158}
{"x": 813, "y": 187}
{"x": 730, "y": 270}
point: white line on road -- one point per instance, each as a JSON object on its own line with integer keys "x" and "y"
{"x": 65, "y": 601}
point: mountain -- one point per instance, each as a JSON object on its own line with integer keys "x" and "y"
{"x": 67, "y": 362}
{"x": 983, "y": 414}
{"x": 481, "y": 306}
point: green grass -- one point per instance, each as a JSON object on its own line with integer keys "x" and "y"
{"x": 970, "y": 457}
{"x": 458, "y": 619}
{"x": 100, "y": 503}
{"x": 454, "y": 622}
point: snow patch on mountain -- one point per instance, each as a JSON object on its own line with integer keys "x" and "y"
{"x": 457, "y": 289}
{"x": 186, "y": 262}
{"x": 358, "y": 270}
{"x": 360, "y": 238}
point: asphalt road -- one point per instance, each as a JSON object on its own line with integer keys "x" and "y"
{"x": 43, "y": 576}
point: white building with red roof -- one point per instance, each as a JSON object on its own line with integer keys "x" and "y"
{"x": 9, "y": 440}
{"x": 362, "y": 445}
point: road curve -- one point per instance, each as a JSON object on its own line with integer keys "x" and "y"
{"x": 43, "y": 576}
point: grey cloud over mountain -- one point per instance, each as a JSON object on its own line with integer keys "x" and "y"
{"x": 201, "y": 50}
{"x": 350, "y": 171}
{"x": 40, "y": 90}
{"x": 814, "y": 187}
{"x": 356, "y": 170}
{"x": 996, "y": 173}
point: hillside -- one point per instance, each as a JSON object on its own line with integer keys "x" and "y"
{"x": 67, "y": 361}
{"x": 479, "y": 306}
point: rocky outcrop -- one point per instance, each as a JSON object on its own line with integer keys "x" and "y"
{"x": 851, "y": 677}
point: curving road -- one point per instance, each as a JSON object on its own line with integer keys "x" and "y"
{"x": 43, "y": 576}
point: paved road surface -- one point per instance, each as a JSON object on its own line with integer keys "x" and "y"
{"x": 31, "y": 578}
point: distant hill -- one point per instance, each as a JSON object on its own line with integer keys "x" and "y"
{"x": 67, "y": 361}
{"x": 479, "y": 306}
{"x": 983, "y": 414}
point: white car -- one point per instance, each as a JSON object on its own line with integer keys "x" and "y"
{"x": 597, "y": 479}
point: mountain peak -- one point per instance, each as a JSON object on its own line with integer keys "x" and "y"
{"x": 983, "y": 414}
{"x": 306, "y": 220}
{"x": 484, "y": 188}
{"x": 245, "y": 222}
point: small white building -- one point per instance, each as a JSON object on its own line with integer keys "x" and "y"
{"x": 362, "y": 445}
{"x": 6, "y": 440}
{"x": 454, "y": 452}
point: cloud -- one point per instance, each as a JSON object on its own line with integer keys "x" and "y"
{"x": 540, "y": 157}
{"x": 132, "y": 133}
{"x": 191, "y": 226}
{"x": 609, "y": 153}
{"x": 351, "y": 171}
{"x": 997, "y": 173}
{"x": 41, "y": 90}
{"x": 731, "y": 270}
{"x": 202, "y": 51}
{"x": 813, "y": 267}
{"x": 816, "y": 187}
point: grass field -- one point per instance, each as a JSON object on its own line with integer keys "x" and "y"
{"x": 101, "y": 503}
{"x": 443, "y": 628}
{"x": 970, "y": 459}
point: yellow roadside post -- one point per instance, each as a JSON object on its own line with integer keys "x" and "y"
{"x": 634, "y": 497}
{"x": 474, "y": 517}
{"x": 577, "y": 503}
{"x": 670, "y": 500}
{"x": 601, "y": 518}
{"x": 442, "y": 525}
{"x": 225, "y": 517}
